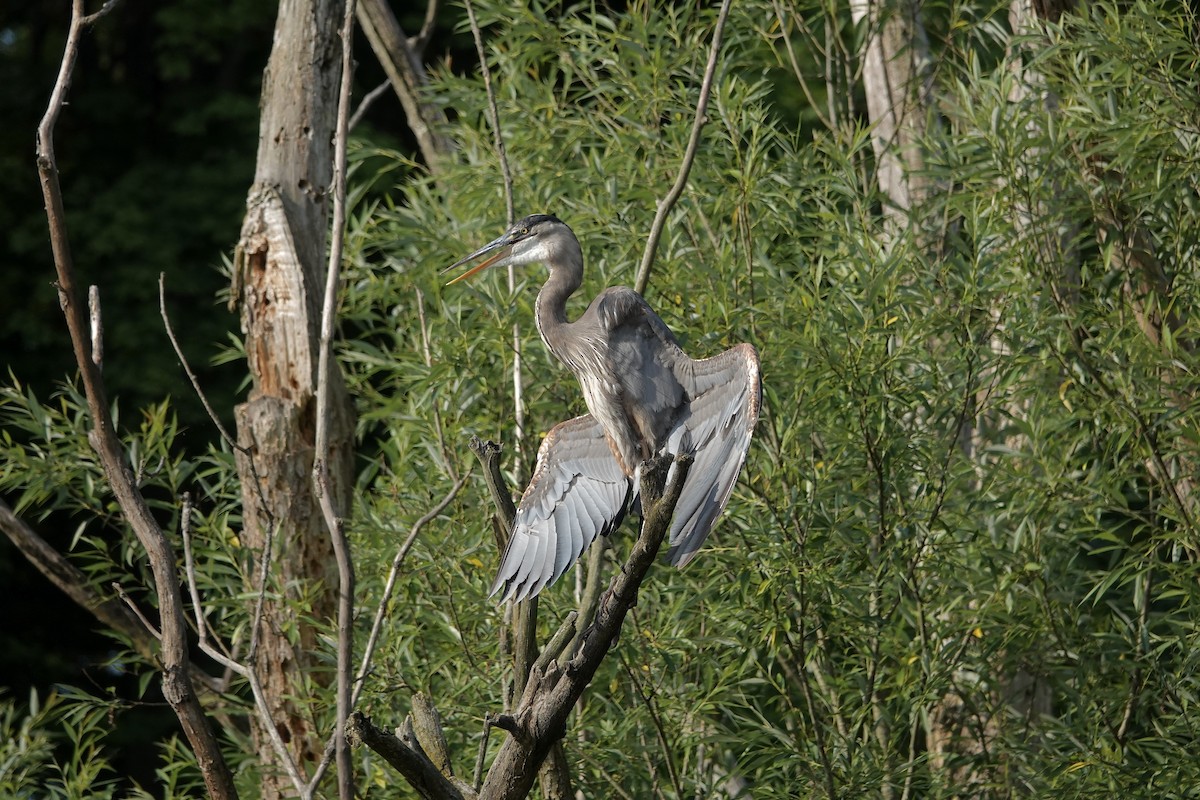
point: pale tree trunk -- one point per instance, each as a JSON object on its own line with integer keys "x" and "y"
{"x": 279, "y": 277}
{"x": 895, "y": 74}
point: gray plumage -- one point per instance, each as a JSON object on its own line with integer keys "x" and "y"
{"x": 644, "y": 395}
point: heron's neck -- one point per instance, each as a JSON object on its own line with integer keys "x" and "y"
{"x": 566, "y": 275}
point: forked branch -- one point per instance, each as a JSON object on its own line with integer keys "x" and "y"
{"x": 556, "y": 682}
{"x": 552, "y": 691}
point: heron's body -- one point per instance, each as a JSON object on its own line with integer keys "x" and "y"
{"x": 645, "y": 396}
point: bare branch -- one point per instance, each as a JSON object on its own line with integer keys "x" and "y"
{"x": 524, "y": 614}
{"x": 189, "y": 567}
{"x": 511, "y": 217}
{"x": 540, "y": 718}
{"x": 73, "y": 583}
{"x": 95, "y": 16}
{"x": 261, "y": 707}
{"x": 413, "y": 764}
{"x": 137, "y": 612}
{"x": 689, "y": 155}
{"x": 488, "y": 454}
{"x": 402, "y": 63}
{"x": 334, "y": 518}
{"x": 419, "y": 42}
{"x": 176, "y": 683}
{"x": 212, "y": 415}
{"x": 368, "y": 100}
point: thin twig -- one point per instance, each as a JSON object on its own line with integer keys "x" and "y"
{"x": 419, "y": 42}
{"x": 187, "y": 369}
{"x": 176, "y": 667}
{"x": 189, "y": 566}
{"x": 248, "y": 452}
{"x": 95, "y": 16}
{"x": 668, "y": 203}
{"x": 261, "y": 706}
{"x": 189, "y": 571}
{"x": 120, "y": 590}
{"x": 511, "y": 217}
{"x": 368, "y": 100}
{"x": 389, "y": 585}
{"x": 322, "y": 483}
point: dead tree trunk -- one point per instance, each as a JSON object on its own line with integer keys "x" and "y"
{"x": 279, "y": 275}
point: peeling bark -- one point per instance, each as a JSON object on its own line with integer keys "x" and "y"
{"x": 279, "y": 274}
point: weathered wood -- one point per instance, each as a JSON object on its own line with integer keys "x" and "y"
{"x": 400, "y": 58}
{"x": 279, "y": 274}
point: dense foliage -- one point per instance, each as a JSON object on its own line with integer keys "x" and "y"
{"x": 963, "y": 556}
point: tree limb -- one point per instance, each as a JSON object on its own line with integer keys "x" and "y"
{"x": 541, "y": 715}
{"x": 74, "y": 584}
{"x": 412, "y": 763}
{"x": 400, "y": 58}
{"x": 176, "y": 673}
{"x": 523, "y": 614}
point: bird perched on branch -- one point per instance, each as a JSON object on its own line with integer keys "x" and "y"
{"x": 645, "y": 395}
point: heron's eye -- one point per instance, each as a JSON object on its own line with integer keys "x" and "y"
{"x": 524, "y": 231}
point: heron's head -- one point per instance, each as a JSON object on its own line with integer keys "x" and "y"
{"x": 536, "y": 238}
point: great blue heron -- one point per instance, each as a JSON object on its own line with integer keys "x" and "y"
{"x": 645, "y": 395}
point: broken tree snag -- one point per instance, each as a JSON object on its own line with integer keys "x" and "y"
{"x": 278, "y": 284}
{"x": 540, "y": 718}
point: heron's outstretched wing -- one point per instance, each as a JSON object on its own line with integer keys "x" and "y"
{"x": 725, "y": 394}
{"x": 578, "y": 491}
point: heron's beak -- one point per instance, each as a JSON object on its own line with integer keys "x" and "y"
{"x": 502, "y": 244}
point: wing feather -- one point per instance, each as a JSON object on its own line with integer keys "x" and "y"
{"x": 725, "y": 394}
{"x": 578, "y": 491}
